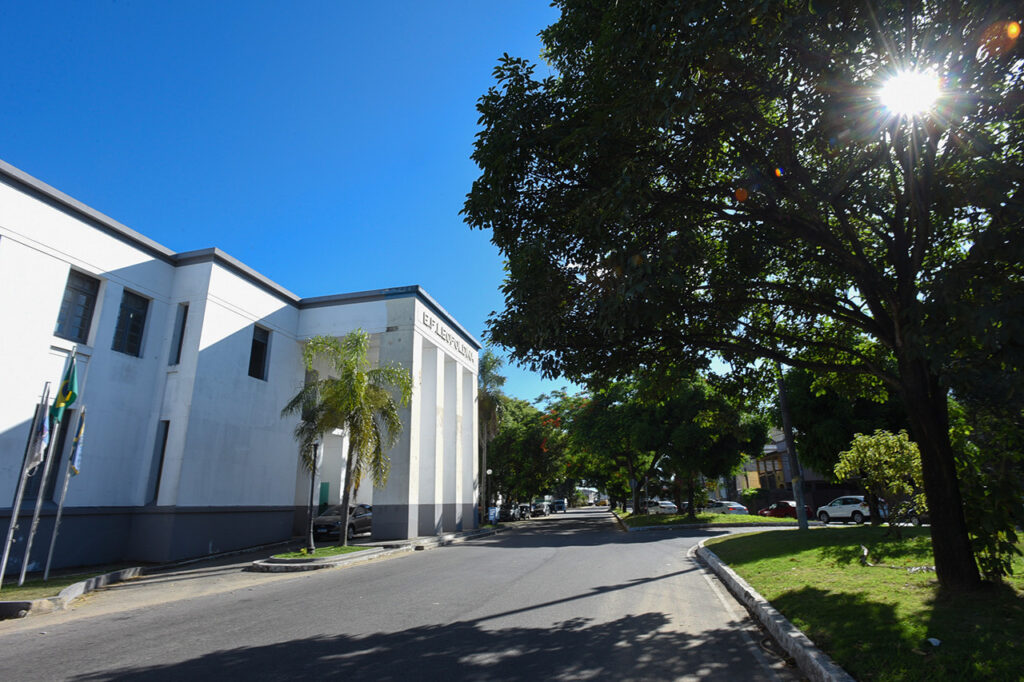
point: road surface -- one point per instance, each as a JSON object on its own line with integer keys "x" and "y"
{"x": 565, "y": 597}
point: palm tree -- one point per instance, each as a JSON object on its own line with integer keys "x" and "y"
{"x": 489, "y": 395}
{"x": 356, "y": 398}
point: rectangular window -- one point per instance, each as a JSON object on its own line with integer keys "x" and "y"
{"x": 179, "y": 334}
{"x": 157, "y": 467}
{"x": 259, "y": 353}
{"x": 76, "y": 309}
{"x": 131, "y": 321}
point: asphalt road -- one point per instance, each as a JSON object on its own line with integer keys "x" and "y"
{"x": 566, "y": 597}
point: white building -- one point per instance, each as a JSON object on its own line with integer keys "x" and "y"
{"x": 185, "y": 361}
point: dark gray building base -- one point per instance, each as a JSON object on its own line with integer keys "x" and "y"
{"x": 393, "y": 521}
{"x": 90, "y": 536}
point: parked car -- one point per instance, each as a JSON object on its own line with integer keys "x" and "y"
{"x": 725, "y": 507}
{"x": 541, "y": 508}
{"x": 848, "y": 508}
{"x": 525, "y": 510}
{"x": 663, "y": 507}
{"x": 509, "y": 512}
{"x": 559, "y": 505}
{"x": 329, "y": 523}
{"x": 783, "y": 509}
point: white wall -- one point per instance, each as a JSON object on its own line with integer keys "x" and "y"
{"x": 39, "y": 244}
{"x": 239, "y": 450}
{"x": 227, "y": 444}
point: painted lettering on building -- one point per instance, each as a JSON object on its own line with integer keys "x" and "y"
{"x": 448, "y": 336}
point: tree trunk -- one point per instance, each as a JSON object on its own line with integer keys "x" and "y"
{"x": 691, "y": 510}
{"x": 310, "y": 541}
{"x": 928, "y": 412}
{"x": 345, "y": 495}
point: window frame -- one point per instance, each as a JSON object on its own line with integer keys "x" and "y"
{"x": 262, "y": 370}
{"x": 65, "y": 315}
{"x": 126, "y": 339}
{"x": 178, "y": 338}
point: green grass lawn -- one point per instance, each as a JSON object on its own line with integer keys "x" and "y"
{"x": 641, "y": 520}
{"x": 321, "y": 552}
{"x": 874, "y": 622}
{"x": 35, "y": 588}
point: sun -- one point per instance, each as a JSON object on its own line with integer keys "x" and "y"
{"x": 909, "y": 93}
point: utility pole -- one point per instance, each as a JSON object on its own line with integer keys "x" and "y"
{"x": 794, "y": 464}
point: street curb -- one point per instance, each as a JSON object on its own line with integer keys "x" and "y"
{"x": 454, "y": 538}
{"x": 272, "y": 565}
{"x": 811, "y": 660}
{"x": 21, "y": 609}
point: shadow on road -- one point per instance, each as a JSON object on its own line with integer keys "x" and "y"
{"x": 572, "y": 650}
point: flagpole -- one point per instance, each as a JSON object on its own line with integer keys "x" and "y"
{"x": 60, "y": 505}
{"x": 60, "y": 402}
{"x": 54, "y": 436}
{"x": 20, "y": 491}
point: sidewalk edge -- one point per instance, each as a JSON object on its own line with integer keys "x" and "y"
{"x": 811, "y": 660}
{"x": 23, "y": 608}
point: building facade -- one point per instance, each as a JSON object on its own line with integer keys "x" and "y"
{"x": 185, "y": 361}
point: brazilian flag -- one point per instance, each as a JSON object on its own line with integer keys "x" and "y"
{"x": 67, "y": 394}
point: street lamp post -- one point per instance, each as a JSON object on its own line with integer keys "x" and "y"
{"x": 487, "y": 502}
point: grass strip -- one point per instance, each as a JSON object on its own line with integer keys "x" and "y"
{"x": 321, "y": 552}
{"x": 35, "y": 588}
{"x": 875, "y": 621}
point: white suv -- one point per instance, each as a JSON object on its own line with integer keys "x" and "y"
{"x": 849, "y": 508}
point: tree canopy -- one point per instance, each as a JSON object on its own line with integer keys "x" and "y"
{"x": 888, "y": 464}
{"x": 527, "y": 454}
{"x": 827, "y": 418}
{"x": 722, "y": 176}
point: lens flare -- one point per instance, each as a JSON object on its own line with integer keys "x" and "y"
{"x": 741, "y": 194}
{"x": 909, "y": 93}
{"x": 1013, "y": 30}
{"x": 778, "y": 172}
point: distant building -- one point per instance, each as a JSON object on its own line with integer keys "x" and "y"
{"x": 772, "y": 476}
{"x": 185, "y": 361}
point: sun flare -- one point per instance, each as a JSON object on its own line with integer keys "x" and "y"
{"x": 909, "y": 93}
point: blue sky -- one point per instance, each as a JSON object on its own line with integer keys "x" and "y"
{"x": 325, "y": 144}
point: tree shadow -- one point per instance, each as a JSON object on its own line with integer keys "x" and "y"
{"x": 981, "y": 633}
{"x": 882, "y": 549}
{"x": 860, "y": 634}
{"x": 630, "y": 648}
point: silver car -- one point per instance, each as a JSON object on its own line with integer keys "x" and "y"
{"x": 725, "y": 507}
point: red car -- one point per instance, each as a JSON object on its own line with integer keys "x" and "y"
{"x": 784, "y": 509}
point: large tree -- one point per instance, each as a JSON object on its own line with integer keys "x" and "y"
{"x": 722, "y": 176}
{"x": 697, "y": 430}
{"x": 363, "y": 401}
{"x": 527, "y": 455}
{"x": 612, "y": 425}
{"x": 488, "y": 403}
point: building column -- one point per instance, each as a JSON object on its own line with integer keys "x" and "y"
{"x": 431, "y": 440}
{"x": 396, "y": 507}
{"x": 469, "y": 459}
{"x": 449, "y": 444}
